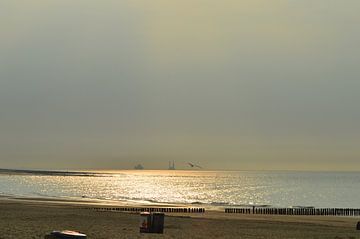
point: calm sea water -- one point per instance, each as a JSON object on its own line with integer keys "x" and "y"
{"x": 319, "y": 189}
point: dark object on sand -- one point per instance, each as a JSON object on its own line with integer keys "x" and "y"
{"x": 66, "y": 235}
{"x": 152, "y": 222}
{"x": 157, "y": 222}
{"x": 145, "y": 222}
{"x": 358, "y": 226}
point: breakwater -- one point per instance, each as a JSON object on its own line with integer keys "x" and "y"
{"x": 151, "y": 209}
{"x": 297, "y": 211}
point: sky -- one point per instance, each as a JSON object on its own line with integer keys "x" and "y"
{"x": 233, "y": 85}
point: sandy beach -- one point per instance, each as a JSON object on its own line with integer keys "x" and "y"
{"x": 34, "y": 219}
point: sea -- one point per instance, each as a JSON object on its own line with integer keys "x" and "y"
{"x": 200, "y": 188}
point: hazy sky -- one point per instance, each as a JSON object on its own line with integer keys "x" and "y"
{"x": 233, "y": 84}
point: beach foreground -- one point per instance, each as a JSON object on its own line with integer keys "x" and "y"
{"x": 34, "y": 219}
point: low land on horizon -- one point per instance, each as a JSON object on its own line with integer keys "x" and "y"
{"x": 47, "y": 172}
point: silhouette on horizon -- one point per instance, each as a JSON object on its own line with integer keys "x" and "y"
{"x": 172, "y": 167}
{"x": 139, "y": 167}
{"x": 194, "y": 165}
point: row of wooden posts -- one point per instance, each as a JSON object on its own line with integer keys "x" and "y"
{"x": 297, "y": 211}
{"x": 152, "y": 209}
{"x": 253, "y": 210}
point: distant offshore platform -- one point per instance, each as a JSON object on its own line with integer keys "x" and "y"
{"x": 172, "y": 166}
{"x": 139, "y": 167}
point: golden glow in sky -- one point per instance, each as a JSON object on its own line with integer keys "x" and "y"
{"x": 229, "y": 84}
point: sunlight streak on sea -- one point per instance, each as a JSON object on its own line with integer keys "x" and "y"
{"x": 217, "y": 188}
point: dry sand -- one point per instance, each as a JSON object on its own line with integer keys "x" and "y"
{"x": 23, "y": 219}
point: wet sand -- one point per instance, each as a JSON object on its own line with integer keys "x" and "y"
{"x": 34, "y": 219}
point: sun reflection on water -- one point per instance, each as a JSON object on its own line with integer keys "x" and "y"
{"x": 208, "y": 187}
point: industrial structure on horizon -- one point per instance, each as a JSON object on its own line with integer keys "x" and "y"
{"x": 172, "y": 166}
{"x": 139, "y": 167}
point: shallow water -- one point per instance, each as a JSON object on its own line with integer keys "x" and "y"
{"x": 276, "y": 188}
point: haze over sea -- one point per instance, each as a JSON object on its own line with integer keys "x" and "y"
{"x": 211, "y": 188}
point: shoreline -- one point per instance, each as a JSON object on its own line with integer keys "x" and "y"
{"x": 115, "y": 203}
{"x": 33, "y": 218}
{"x": 148, "y": 204}
{"x": 86, "y": 201}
